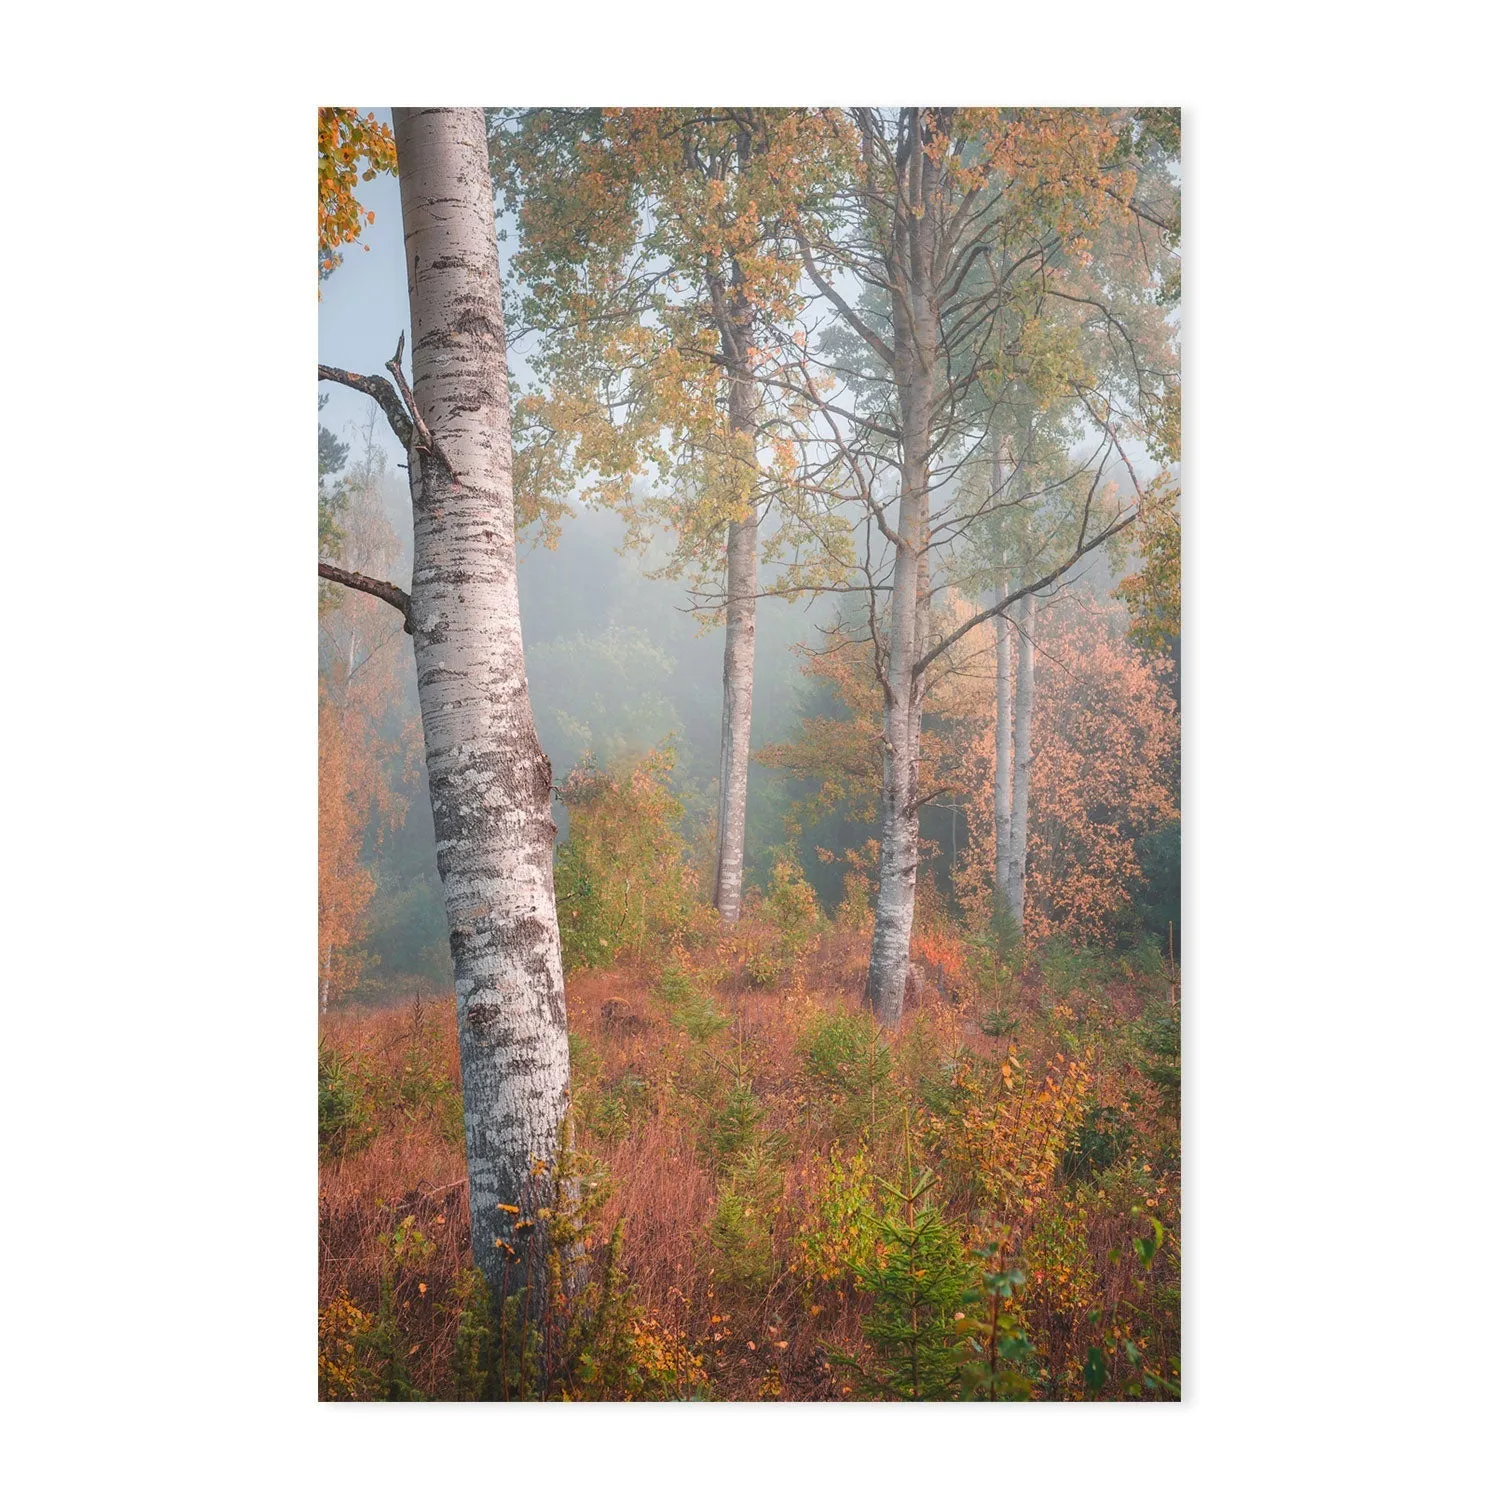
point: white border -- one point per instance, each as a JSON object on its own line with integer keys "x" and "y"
{"x": 161, "y": 749}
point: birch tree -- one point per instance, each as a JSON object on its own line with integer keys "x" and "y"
{"x": 651, "y": 252}
{"x": 943, "y": 218}
{"x": 1004, "y": 795}
{"x": 1015, "y": 869}
{"x": 490, "y": 783}
{"x": 1030, "y": 524}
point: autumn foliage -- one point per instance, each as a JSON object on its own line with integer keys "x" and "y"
{"x": 367, "y": 751}
{"x": 762, "y": 1193}
{"x": 741, "y": 1133}
{"x": 345, "y": 884}
{"x": 1104, "y": 773}
{"x": 345, "y": 140}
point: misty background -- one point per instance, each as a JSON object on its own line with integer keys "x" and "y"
{"x": 617, "y": 663}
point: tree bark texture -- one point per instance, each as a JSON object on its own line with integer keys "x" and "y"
{"x": 1002, "y": 707}
{"x": 915, "y": 342}
{"x": 1002, "y": 759}
{"x": 1025, "y": 696}
{"x": 491, "y": 785}
{"x": 739, "y": 675}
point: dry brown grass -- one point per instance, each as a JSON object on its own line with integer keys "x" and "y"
{"x": 766, "y": 1344}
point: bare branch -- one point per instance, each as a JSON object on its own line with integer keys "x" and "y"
{"x": 1080, "y": 551}
{"x": 398, "y": 599}
{"x": 926, "y": 797}
{"x": 857, "y": 323}
{"x": 424, "y": 439}
{"x": 380, "y": 391}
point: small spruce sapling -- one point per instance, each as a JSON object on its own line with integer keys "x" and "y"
{"x": 919, "y": 1279}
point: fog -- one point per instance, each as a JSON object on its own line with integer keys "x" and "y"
{"x": 617, "y": 662}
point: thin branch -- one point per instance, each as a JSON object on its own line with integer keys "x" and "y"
{"x": 853, "y": 319}
{"x": 940, "y": 791}
{"x": 379, "y": 390}
{"x": 1031, "y": 588}
{"x": 425, "y": 440}
{"x": 1136, "y": 207}
{"x": 398, "y": 599}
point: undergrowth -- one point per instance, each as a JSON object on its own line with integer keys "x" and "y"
{"x": 788, "y": 1202}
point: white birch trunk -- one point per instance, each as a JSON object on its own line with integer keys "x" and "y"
{"x": 739, "y": 681}
{"x": 1002, "y": 756}
{"x": 1025, "y": 695}
{"x": 1002, "y": 706}
{"x": 490, "y": 783}
{"x": 895, "y": 901}
{"x": 915, "y": 334}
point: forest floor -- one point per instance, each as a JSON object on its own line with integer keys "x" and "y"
{"x": 748, "y": 1137}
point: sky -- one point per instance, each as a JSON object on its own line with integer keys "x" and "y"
{"x": 364, "y": 308}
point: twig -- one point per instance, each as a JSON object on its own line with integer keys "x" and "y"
{"x": 397, "y": 598}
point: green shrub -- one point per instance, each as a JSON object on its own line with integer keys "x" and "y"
{"x": 621, "y": 876}
{"x": 1119, "y": 1361}
{"x": 1067, "y": 969}
{"x": 846, "y": 1055}
{"x": 1159, "y": 1039}
{"x": 995, "y": 953}
{"x": 732, "y": 1127}
{"x": 423, "y": 1088}
{"x": 763, "y": 966}
{"x": 999, "y": 1022}
{"x": 838, "y": 1231}
{"x": 381, "y": 1345}
{"x": 947, "y": 1083}
{"x": 690, "y": 1007}
{"x": 919, "y": 1280}
{"x": 784, "y": 923}
{"x": 1145, "y": 962}
{"x": 346, "y": 1117}
{"x": 1059, "y": 1262}
{"x": 614, "y": 1110}
{"x": 1102, "y": 1137}
{"x": 472, "y": 1355}
{"x": 741, "y": 1229}
{"x": 792, "y": 907}
{"x": 624, "y": 1355}
{"x": 1004, "y": 1361}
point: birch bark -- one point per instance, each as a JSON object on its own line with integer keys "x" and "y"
{"x": 1025, "y": 696}
{"x": 915, "y": 333}
{"x": 739, "y": 675}
{"x": 490, "y": 782}
{"x": 1002, "y": 708}
{"x": 1002, "y": 756}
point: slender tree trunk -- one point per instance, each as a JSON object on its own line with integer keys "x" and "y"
{"x": 1002, "y": 755}
{"x": 490, "y": 783}
{"x": 1025, "y": 695}
{"x": 739, "y": 674}
{"x": 895, "y": 901}
{"x": 915, "y": 332}
{"x": 1002, "y": 705}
